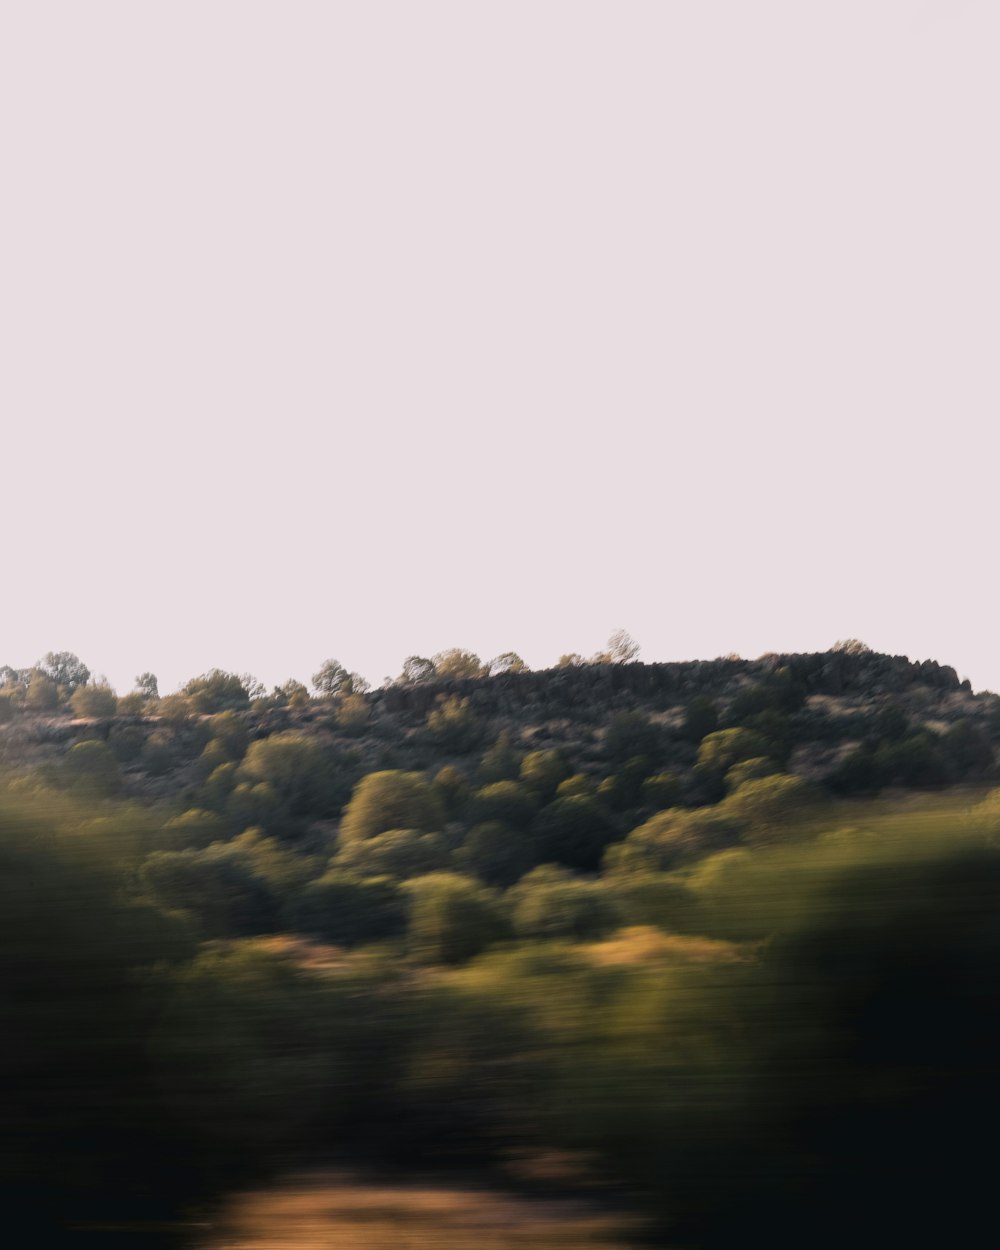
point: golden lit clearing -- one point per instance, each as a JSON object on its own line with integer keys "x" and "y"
{"x": 320, "y": 1211}
{"x": 643, "y": 944}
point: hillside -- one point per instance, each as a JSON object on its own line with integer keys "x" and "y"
{"x": 721, "y": 937}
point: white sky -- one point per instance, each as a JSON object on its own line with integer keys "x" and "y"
{"x": 368, "y": 329}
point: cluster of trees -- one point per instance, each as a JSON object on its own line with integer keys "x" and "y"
{"x": 778, "y": 1038}
{"x": 232, "y": 939}
{"x": 62, "y": 681}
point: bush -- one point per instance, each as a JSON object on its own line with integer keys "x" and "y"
{"x": 302, "y": 775}
{"x": 551, "y": 903}
{"x": 343, "y": 908}
{"x": 496, "y": 854}
{"x": 573, "y": 832}
{"x": 506, "y": 801}
{"x": 632, "y": 734}
{"x": 94, "y": 700}
{"x": 391, "y": 800}
{"x": 771, "y": 806}
{"x": 92, "y": 770}
{"x": 193, "y": 829}
{"x": 452, "y": 918}
{"x": 542, "y": 772}
{"x": 217, "y": 691}
{"x": 398, "y": 853}
{"x": 661, "y": 791}
{"x": 453, "y": 725}
{"x": 500, "y": 763}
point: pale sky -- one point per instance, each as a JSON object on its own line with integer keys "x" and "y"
{"x": 365, "y": 329}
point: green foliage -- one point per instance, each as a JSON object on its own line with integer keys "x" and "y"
{"x": 632, "y": 734}
{"x": 331, "y": 678}
{"x": 95, "y": 699}
{"x": 147, "y": 685}
{"x": 661, "y": 790}
{"x": 507, "y": 801}
{"x": 348, "y": 910}
{"x": 551, "y": 903}
{"x": 452, "y": 918}
{"x": 749, "y": 770}
{"x": 496, "y": 853}
{"x": 302, "y": 774}
{"x": 353, "y": 714}
{"x": 160, "y": 753}
{"x": 701, "y": 718}
{"x": 82, "y": 977}
{"x": 573, "y": 832}
{"x": 577, "y": 786}
{"x": 65, "y": 670}
{"x": 452, "y": 789}
{"x": 719, "y": 751}
{"x": 91, "y": 769}
{"x": 771, "y": 806}
{"x": 398, "y": 853}
{"x": 42, "y": 693}
{"x": 218, "y": 691}
{"x": 453, "y": 724}
{"x": 391, "y": 800}
{"x": 500, "y": 763}
{"x": 542, "y": 772}
{"x": 193, "y": 829}
{"x": 673, "y": 837}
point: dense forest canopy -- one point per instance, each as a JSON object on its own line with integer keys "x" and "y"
{"x": 723, "y": 934}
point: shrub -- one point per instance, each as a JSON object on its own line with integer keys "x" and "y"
{"x": 94, "y": 700}
{"x": 91, "y": 769}
{"x": 453, "y": 724}
{"x": 506, "y": 801}
{"x": 573, "y": 832}
{"x": 496, "y": 853}
{"x": 452, "y": 918}
{"x": 542, "y": 772}
{"x": 398, "y": 853}
{"x": 218, "y": 691}
{"x": 391, "y": 800}
{"x": 343, "y": 908}
{"x": 552, "y": 903}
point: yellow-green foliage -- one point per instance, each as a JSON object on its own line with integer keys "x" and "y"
{"x": 93, "y": 700}
{"x": 391, "y": 800}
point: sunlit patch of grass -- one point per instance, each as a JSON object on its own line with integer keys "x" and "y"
{"x": 645, "y": 944}
{"x": 322, "y": 1211}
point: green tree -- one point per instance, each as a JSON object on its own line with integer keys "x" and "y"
{"x": 391, "y": 800}
{"x": 147, "y": 685}
{"x": 95, "y": 699}
{"x": 551, "y": 903}
{"x": 452, "y": 918}
{"x": 542, "y": 772}
{"x": 67, "y": 670}
{"x": 496, "y": 853}
{"x": 218, "y": 691}
{"x": 398, "y": 853}
{"x": 506, "y": 801}
{"x": 573, "y": 832}
{"x": 42, "y": 693}
{"x": 331, "y": 678}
